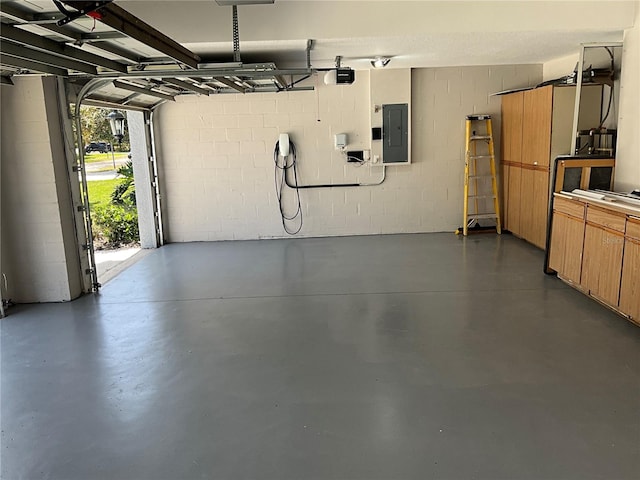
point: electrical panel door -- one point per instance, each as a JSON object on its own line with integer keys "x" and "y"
{"x": 395, "y": 133}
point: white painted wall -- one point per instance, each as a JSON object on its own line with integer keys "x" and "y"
{"x": 35, "y": 196}
{"x": 627, "y": 176}
{"x": 559, "y": 67}
{"x": 215, "y": 155}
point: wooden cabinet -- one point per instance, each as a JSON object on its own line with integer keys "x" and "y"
{"x": 526, "y": 134}
{"x": 534, "y": 191}
{"x": 596, "y": 248}
{"x": 536, "y": 128}
{"x": 539, "y": 208}
{"x": 630, "y": 282}
{"x": 602, "y": 263}
{"x": 602, "y": 256}
{"x": 567, "y": 239}
{"x": 504, "y": 194}
{"x": 512, "y": 204}
{"x": 512, "y": 110}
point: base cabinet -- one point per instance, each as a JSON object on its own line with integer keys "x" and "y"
{"x": 630, "y": 284}
{"x": 597, "y": 250}
{"x": 602, "y": 263}
{"x": 567, "y": 237}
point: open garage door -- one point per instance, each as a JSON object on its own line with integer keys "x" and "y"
{"x": 139, "y": 123}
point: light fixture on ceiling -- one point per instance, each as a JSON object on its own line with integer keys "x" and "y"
{"x": 380, "y": 62}
{"x": 228, "y": 3}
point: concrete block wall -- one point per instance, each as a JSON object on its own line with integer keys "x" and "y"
{"x": 36, "y": 257}
{"x": 216, "y": 165}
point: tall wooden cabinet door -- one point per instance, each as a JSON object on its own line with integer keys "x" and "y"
{"x": 536, "y": 126}
{"x": 565, "y": 252}
{"x": 540, "y": 212}
{"x": 526, "y": 203}
{"x": 512, "y": 107}
{"x": 630, "y": 285}
{"x": 558, "y": 245}
{"x": 512, "y": 210}
{"x": 602, "y": 263}
{"x": 504, "y": 196}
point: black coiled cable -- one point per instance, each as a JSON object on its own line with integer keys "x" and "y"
{"x": 280, "y": 174}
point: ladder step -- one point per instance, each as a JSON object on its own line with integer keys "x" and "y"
{"x": 480, "y": 176}
{"x": 482, "y": 215}
{"x": 480, "y": 156}
{"x": 480, "y": 137}
{"x": 482, "y": 196}
{"x": 479, "y": 117}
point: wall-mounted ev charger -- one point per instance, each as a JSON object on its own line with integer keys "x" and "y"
{"x": 283, "y": 144}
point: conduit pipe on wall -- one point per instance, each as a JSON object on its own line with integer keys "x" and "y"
{"x": 339, "y": 185}
{"x": 295, "y": 184}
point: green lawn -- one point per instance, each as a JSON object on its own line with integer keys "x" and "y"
{"x": 100, "y": 191}
{"x": 94, "y": 157}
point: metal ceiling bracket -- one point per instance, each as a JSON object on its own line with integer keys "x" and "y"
{"x": 6, "y": 80}
{"x": 8, "y": 10}
{"x": 31, "y": 66}
{"x": 144, "y": 91}
{"x": 236, "y": 35}
{"x": 14, "y": 50}
{"x": 187, "y": 86}
{"x": 310, "y": 44}
{"x": 122, "y": 21}
{"x": 7, "y": 32}
{"x": 108, "y": 47}
{"x": 281, "y": 82}
{"x": 71, "y": 16}
{"x": 230, "y": 84}
{"x": 215, "y": 73}
{"x": 11, "y": 12}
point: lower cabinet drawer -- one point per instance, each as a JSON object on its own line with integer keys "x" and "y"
{"x": 568, "y": 206}
{"x": 614, "y": 221}
{"x": 633, "y": 228}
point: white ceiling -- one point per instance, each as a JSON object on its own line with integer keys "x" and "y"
{"x": 415, "y": 33}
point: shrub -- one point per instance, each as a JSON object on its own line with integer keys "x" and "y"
{"x": 116, "y": 224}
{"x": 125, "y": 192}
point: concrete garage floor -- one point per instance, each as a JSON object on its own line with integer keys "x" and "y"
{"x": 382, "y": 357}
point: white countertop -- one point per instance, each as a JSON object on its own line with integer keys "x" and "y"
{"x": 610, "y": 200}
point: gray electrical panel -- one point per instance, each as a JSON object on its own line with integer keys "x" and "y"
{"x": 395, "y": 133}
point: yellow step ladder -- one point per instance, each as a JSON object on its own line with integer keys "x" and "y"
{"x": 477, "y": 173}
